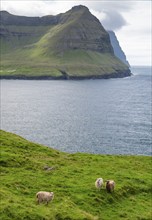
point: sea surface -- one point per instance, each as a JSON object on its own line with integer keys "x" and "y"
{"x": 101, "y": 116}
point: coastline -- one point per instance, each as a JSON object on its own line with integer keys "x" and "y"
{"x": 65, "y": 76}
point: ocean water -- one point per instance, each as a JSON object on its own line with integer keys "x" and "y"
{"x": 96, "y": 116}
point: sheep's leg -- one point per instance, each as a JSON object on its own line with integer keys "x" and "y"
{"x": 38, "y": 202}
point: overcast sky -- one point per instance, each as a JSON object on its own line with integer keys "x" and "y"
{"x": 130, "y": 20}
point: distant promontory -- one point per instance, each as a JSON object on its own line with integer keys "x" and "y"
{"x": 71, "y": 45}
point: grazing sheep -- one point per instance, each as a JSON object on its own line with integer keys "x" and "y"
{"x": 99, "y": 183}
{"x": 44, "y": 196}
{"x": 110, "y": 185}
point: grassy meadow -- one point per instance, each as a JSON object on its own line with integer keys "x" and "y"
{"x": 72, "y": 179}
{"x": 77, "y": 63}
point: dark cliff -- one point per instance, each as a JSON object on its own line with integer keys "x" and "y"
{"x": 117, "y": 48}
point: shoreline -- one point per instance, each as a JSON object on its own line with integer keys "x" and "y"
{"x": 67, "y": 77}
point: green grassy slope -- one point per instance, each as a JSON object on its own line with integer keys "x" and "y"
{"x": 77, "y": 63}
{"x": 72, "y": 181}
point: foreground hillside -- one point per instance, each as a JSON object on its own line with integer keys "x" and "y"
{"x": 69, "y": 45}
{"x": 71, "y": 178}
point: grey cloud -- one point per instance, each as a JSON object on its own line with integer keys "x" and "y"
{"x": 113, "y": 20}
{"x": 120, "y": 6}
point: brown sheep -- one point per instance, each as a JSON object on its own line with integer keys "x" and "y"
{"x": 110, "y": 185}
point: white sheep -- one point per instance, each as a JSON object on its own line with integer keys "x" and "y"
{"x": 44, "y": 197}
{"x": 110, "y": 185}
{"x": 99, "y": 183}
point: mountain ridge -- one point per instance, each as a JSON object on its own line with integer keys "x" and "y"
{"x": 72, "y": 44}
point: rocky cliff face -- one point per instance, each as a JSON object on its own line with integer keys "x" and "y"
{"x": 117, "y": 49}
{"x": 73, "y": 43}
{"x": 85, "y": 32}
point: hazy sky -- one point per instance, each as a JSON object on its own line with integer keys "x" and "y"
{"x": 131, "y": 21}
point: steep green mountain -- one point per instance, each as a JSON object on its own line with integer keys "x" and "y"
{"x": 71, "y": 177}
{"x": 69, "y": 45}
